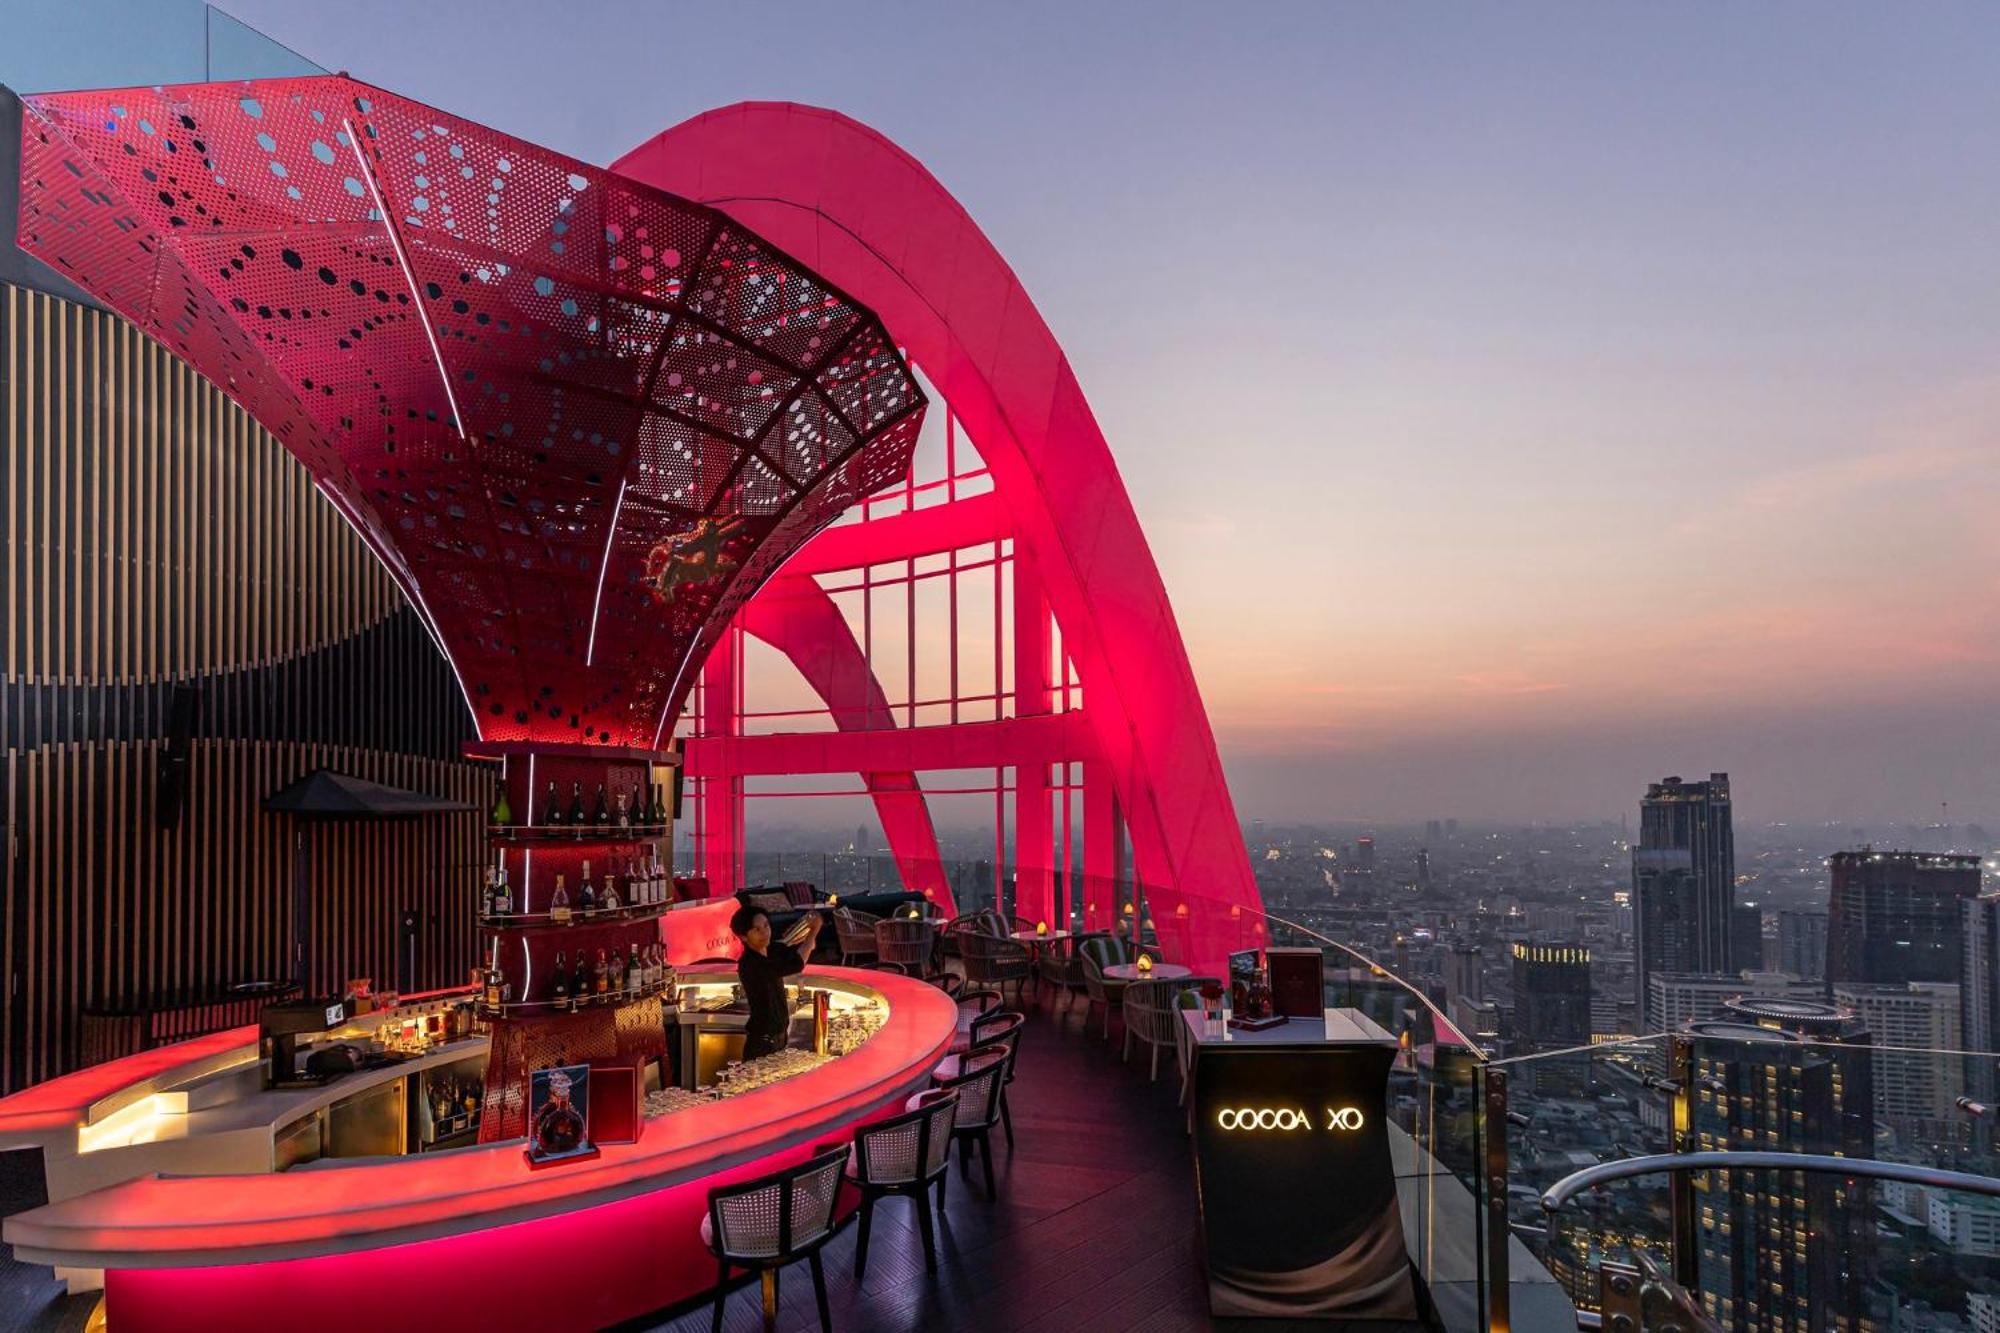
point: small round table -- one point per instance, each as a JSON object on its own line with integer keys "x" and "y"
{"x": 1159, "y": 972}
{"x": 1032, "y": 937}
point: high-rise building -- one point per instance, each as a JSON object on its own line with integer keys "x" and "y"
{"x": 1802, "y": 944}
{"x": 1916, "y": 1091}
{"x": 1552, "y": 1013}
{"x": 1897, "y": 917}
{"x": 1746, "y": 937}
{"x": 1784, "y": 1251}
{"x": 1680, "y": 998}
{"x": 1683, "y": 882}
{"x": 1364, "y": 855}
{"x": 1979, "y": 990}
{"x": 1424, "y": 869}
{"x": 1463, "y": 968}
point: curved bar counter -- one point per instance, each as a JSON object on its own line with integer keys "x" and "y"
{"x": 465, "y": 1234}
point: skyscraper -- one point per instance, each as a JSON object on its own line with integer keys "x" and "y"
{"x": 1802, "y": 944}
{"x": 1784, "y": 1251}
{"x": 1979, "y": 990}
{"x": 1916, "y": 1091}
{"x": 1552, "y": 1013}
{"x": 1746, "y": 937}
{"x": 1683, "y": 882}
{"x": 1897, "y": 917}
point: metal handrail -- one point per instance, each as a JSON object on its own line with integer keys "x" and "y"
{"x": 1673, "y": 1163}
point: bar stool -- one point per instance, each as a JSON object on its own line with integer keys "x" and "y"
{"x": 978, "y": 1087}
{"x": 766, "y": 1223}
{"x": 908, "y": 1155}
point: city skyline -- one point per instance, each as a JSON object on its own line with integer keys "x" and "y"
{"x": 1528, "y": 462}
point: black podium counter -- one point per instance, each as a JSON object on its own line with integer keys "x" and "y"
{"x": 1299, "y": 1215}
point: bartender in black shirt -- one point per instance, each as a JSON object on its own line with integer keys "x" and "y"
{"x": 762, "y": 971}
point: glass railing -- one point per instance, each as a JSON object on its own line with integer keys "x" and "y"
{"x": 1481, "y": 1135}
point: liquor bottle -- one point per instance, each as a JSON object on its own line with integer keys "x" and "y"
{"x": 559, "y": 904}
{"x": 624, "y": 809}
{"x": 611, "y": 903}
{"x": 562, "y": 977}
{"x": 603, "y": 975}
{"x": 507, "y": 991}
{"x": 634, "y": 981}
{"x": 575, "y": 815}
{"x": 503, "y": 813}
{"x": 487, "y": 895}
{"x": 503, "y": 892}
{"x": 586, "y": 896}
{"x": 559, "y": 1126}
{"x": 600, "y": 814}
{"x": 579, "y": 981}
{"x": 493, "y": 977}
{"x": 658, "y": 813}
{"x": 552, "y": 809}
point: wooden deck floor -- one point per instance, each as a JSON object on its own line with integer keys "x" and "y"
{"x": 1094, "y": 1227}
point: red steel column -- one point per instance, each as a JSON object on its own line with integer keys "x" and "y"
{"x": 1103, "y": 846}
{"x": 722, "y": 797}
{"x": 1034, "y": 822}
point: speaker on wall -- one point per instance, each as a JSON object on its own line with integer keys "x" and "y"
{"x": 176, "y": 756}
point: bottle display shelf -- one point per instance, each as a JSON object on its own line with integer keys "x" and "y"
{"x": 603, "y": 916}
{"x": 536, "y": 835}
{"x": 587, "y": 1004}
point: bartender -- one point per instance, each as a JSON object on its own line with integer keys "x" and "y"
{"x": 762, "y": 970}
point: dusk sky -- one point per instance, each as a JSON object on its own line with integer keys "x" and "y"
{"x": 1523, "y": 403}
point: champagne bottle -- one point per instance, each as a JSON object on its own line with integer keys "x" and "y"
{"x": 503, "y": 813}
{"x": 579, "y": 981}
{"x": 552, "y": 810}
{"x": 634, "y": 982}
{"x": 562, "y": 977}
{"x": 658, "y": 814}
{"x": 600, "y": 814}
{"x": 559, "y": 904}
{"x": 624, "y": 809}
{"x": 586, "y": 896}
{"x": 575, "y": 815}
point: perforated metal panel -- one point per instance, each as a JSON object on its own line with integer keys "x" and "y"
{"x": 579, "y": 419}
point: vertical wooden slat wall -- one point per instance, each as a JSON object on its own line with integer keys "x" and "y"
{"x": 154, "y": 536}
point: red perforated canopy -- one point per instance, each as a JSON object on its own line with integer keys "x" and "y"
{"x": 579, "y": 419}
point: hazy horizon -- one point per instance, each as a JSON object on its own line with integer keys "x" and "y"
{"x": 1522, "y": 404}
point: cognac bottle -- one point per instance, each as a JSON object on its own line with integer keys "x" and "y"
{"x": 559, "y": 904}
{"x": 558, "y": 1128}
{"x": 586, "y": 896}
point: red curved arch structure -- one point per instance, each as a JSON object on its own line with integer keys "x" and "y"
{"x": 875, "y": 222}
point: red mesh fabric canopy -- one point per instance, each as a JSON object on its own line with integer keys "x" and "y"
{"x": 579, "y": 419}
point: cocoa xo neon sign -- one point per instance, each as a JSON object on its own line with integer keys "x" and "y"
{"x": 1282, "y": 1119}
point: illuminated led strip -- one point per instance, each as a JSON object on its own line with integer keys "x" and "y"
{"x": 603, "y": 568}
{"x": 409, "y": 277}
